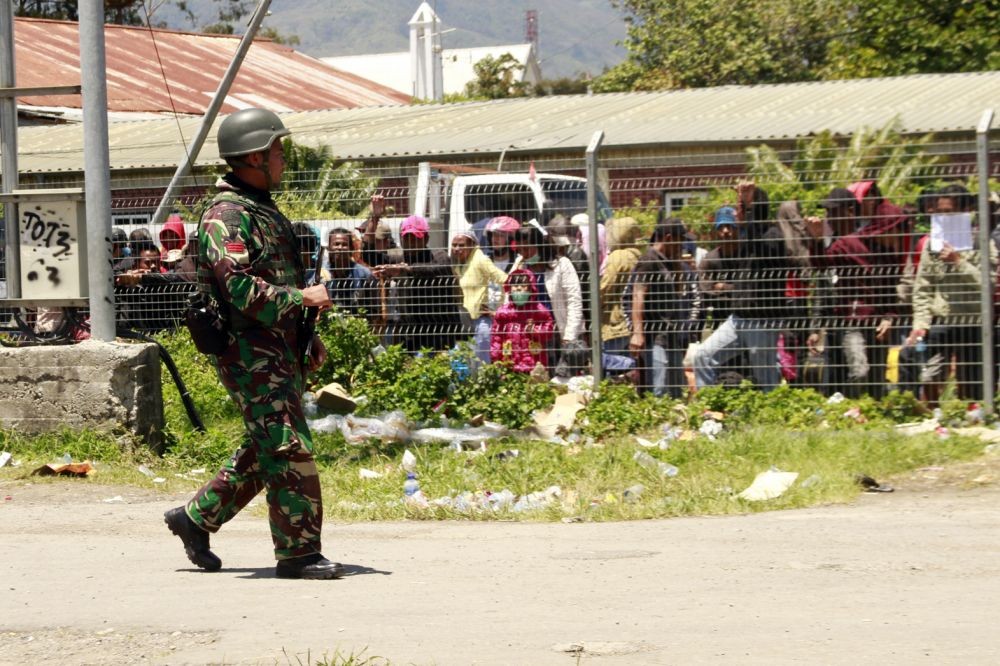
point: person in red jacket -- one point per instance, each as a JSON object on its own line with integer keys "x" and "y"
{"x": 522, "y": 326}
{"x": 172, "y": 240}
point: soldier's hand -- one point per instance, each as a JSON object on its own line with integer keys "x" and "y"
{"x": 316, "y": 296}
{"x": 317, "y": 354}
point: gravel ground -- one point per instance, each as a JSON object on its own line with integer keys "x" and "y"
{"x": 896, "y": 578}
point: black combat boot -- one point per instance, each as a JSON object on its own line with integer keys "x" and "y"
{"x": 309, "y": 567}
{"x": 195, "y": 539}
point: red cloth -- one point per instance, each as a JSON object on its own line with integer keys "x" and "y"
{"x": 509, "y": 339}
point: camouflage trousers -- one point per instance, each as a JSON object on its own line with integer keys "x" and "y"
{"x": 266, "y": 383}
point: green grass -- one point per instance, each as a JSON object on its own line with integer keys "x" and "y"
{"x": 592, "y": 477}
{"x": 793, "y": 430}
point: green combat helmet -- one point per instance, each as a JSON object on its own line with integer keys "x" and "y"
{"x": 249, "y": 131}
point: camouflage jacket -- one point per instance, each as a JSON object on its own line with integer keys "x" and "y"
{"x": 248, "y": 258}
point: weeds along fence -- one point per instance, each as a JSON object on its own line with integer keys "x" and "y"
{"x": 852, "y": 265}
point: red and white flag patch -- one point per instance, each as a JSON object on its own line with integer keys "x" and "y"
{"x": 236, "y": 247}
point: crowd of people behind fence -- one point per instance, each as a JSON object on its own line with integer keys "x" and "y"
{"x": 769, "y": 295}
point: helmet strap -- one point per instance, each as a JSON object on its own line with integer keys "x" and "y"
{"x": 264, "y": 168}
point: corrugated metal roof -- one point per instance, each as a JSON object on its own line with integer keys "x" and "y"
{"x": 733, "y": 114}
{"x": 394, "y": 69}
{"x": 273, "y": 76}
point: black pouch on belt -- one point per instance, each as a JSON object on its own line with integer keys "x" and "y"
{"x": 209, "y": 330}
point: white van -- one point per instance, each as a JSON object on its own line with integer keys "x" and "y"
{"x": 455, "y": 198}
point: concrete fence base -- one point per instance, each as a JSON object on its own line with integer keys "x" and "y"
{"x": 91, "y": 385}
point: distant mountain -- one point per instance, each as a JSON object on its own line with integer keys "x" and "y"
{"x": 574, "y": 35}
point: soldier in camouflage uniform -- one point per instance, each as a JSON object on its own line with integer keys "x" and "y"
{"x": 250, "y": 263}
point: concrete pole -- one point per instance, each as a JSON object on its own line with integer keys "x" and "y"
{"x": 983, "y": 167}
{"x": 593, "y": 258}
{"x": 97, "y": 170}
{"x": 8, "y": 146}
{"x": 186, "y": 162}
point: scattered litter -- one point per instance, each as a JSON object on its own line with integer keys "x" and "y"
{"x": 991, "y": 448}
{"x": 117, "y": 499}
{"x": 368, "y": 474}
{"x": 836, "y": 398}
{"x": 559, "y": 419}
{"x": 67, "y": 458}
{"x": 509, "y": 454}
{"x": 710, "y": 428}
{"x": 981, "y": 432}
{"x": 537, "y": 500}
{"x": 768, "y": 485}
{"x": 409, "y": 461}
{"x": 942, "y": 432}
{"x": 918, "y": 428}
{"x": 974, "y": 414}
{"x": 855, "y": 413}
{"x": 146, "y": 471}
{"x": 663, "y": 443}
{"x": 811, "y": 481}
{"x": 391, "y": 427}
{"x": 715, "y": 416}
{"x": 7, "y": 498}
{"x": 200, "y": 470}
{"x": 651, "y": 463}
{"x": 4, "y": 458}
{"x": 871, "y": 485}
{"x": 572, "y": 519}
{"x": 633, "y": 493}
{"x": 461, "y": 435}
{"x": 70, "y": 469}
{"x": 159, "y": 479}
{"x": 469, "y": 502}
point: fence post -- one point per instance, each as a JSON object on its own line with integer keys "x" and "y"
{"x": 97, "y": 174}
{"x": 983, "y": 167}
{"x": 8, "y": 146}
{"x": 593, "y": 259}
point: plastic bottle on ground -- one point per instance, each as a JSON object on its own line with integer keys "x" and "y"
{"x": 411, "y": 486}
{"x": 651, "y": 463}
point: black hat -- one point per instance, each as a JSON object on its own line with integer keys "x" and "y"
{"x": 838, "y": 198}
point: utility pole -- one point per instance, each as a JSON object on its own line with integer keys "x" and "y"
{"x": 97, "y": 170}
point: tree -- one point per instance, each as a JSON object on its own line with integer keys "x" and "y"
{"x": 901, "y": 165}
{"x": 695, "y": 43}
{"x": 125, "y": 12}
{"x": 496, "y": 78}
{"x": 563, "y": 86}
{"x": 894, "y": 37}
{"x": 316, "y": 186}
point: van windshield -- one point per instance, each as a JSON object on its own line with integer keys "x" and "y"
{"x": 569, "y": 197}
{"x": 495, "y": 199}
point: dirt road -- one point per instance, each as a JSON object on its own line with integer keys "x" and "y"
{"x": 900, "y": 578}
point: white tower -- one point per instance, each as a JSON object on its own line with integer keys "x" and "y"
{"x": 425, "y": 54}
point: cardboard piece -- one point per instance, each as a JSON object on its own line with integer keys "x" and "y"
{"x": 70, "y": 469}
{"x": 560, "y": 418}
{"x": 335, "y": 398}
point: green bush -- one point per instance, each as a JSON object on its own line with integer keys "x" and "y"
{"x": 499, "y": 394}
{"x": 348, "y": 342}
{"x": 619, "y": 409}
{"x": 415, "y": 385}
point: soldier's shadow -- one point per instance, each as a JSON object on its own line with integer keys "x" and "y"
{"x": 268, "y": 572}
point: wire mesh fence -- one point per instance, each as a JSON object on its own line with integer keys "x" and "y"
{"x": 851, "y": 266}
